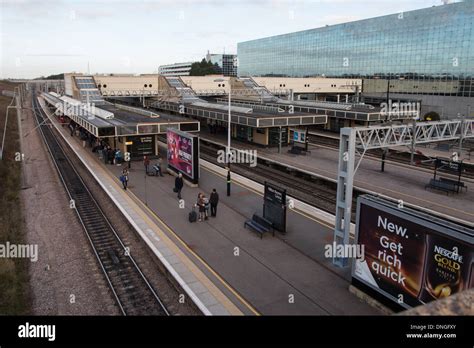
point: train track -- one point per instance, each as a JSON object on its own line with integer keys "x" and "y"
{"x": 133, "y": 293}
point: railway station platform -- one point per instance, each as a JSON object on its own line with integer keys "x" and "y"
{"x": 196, "y": 284}
{"x": 399, "y": 181}
{"x": 245, "y": 274}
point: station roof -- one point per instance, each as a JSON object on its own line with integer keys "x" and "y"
{"x": 124, "y": 122}
{"x": 360, "y": 112}
{"x": 256, "y": 118}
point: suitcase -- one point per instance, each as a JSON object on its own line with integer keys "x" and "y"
{"x": 192, "y": 216}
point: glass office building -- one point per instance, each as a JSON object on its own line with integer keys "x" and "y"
{"x": 227, "y": 62}
{"x": 427, "y": 51}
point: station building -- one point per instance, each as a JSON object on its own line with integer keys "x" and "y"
{"x": 260, "y": 115}
{"x": 425, "y": 55}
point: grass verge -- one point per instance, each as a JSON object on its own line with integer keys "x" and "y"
{"x": 14, "y": 279}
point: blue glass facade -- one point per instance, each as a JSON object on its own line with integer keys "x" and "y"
{"x": 432, "y": 44}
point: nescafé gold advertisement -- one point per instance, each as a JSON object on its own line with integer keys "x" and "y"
{"x": 408, "y": 259}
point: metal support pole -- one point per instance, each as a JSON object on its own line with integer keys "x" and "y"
{"x": 229, "y": 125}
{"x": 384, "y": 152}
{"x": 461, "y": 135}
{"x": 345, "y": 183}
{"x": 413, "y": 141}
{"x": 228, "y": 181}
{"x": 4, "y": 135}
{"x": 279, "y": 140}
{"x": 146, "y": 197}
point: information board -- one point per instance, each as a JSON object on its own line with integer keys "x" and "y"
{"x": 274, "y": 206}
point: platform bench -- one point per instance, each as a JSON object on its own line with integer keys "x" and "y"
{"x": 442, "y": 186}
{"x": 458, "y": 184}
{"x": 259, "y": 224}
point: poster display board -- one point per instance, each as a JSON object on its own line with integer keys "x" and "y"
{"x": 411, "y": 257}
{"x": 274, "y": 206}
{"x": 183, "y": 154}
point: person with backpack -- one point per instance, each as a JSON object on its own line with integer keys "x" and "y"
{"x": 213, "y": 201}
{"x": 178, "y": 184}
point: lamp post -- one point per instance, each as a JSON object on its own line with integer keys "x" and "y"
{"x": 229, "y": 125}
{"x": 229, "y": 118}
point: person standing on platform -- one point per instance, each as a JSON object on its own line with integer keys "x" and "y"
{"x": 178, "y": 184}
{"x": 124, "y": 178}
{"x": 201, "y": 207}
{"x": 157, "y": 167}
{"x": 160, "y": 162}
{"x": 146, "y": 163}
{"x": 213, "y": 201}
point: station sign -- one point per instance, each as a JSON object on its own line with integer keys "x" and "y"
{"x": 141, "y": 146}
{"x": 449, "y": 166}
{"x": 411, "y": 258}
{"x": 274, "y": 206}
{"x": 183, "y": 153}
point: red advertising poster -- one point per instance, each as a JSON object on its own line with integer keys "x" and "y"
{"x": 408, "y": 259}
{"x": 181, "y": 152}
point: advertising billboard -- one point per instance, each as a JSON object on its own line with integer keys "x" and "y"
{"x": 299, "y": 135}
{"x": 411, "y": 257}
{"x": 183, "y": 153}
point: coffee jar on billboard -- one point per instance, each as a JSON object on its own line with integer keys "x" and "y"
{"x": 448, "y": 265}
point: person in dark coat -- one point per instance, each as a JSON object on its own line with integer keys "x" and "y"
{"x": 213, "y": 201}
{"x": 178, "y": 184}
{"x": 110, "y": 155}
{"x": 124, "y": 178}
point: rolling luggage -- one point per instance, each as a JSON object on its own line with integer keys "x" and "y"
{"x": 192, "y": 216}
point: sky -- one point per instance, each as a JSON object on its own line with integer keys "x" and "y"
{"x": 44, "y": 37}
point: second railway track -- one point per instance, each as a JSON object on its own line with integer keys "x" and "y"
{"x": 133, "y": 293}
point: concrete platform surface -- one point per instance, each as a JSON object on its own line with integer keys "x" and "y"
{"x": 283, "y": 275}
